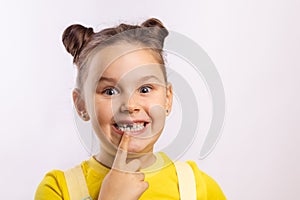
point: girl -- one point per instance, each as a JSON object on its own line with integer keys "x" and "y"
{"x": 122, "y": 88}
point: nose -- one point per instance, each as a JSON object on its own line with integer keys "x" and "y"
{"x": 130, "y": 105}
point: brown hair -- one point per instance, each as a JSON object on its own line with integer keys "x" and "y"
{"x": 80, "y": 41}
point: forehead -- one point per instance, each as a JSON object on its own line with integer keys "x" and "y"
{"x": 126, "y": 61}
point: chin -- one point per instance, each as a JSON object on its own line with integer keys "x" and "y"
{"x": 134, "y": 150}
{"x": 137, "y": 148}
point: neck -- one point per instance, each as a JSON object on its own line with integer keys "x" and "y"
{"x": 107, "y": 159}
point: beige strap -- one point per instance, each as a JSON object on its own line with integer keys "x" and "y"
{"x": 186, "y": 181}
{"x": 76, "y": 183}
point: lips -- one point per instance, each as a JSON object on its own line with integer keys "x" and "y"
{"x": 132, "y": 127}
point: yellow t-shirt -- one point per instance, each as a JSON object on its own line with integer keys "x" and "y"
{"x": 163, "y": 183}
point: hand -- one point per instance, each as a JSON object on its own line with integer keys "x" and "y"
{"x": 124, "y": 181}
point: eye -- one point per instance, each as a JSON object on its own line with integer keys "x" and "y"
{"x": 145, "y": 89}
{"x": 110, "y": 91}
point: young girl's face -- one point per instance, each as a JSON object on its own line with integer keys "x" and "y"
{"x": 131, "y": 95}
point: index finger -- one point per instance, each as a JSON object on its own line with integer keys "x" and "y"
{"x": 121, "y": 155}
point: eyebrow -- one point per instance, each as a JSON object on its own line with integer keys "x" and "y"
{"x": 145, "y": 78}
{"x": 107, "y": 79}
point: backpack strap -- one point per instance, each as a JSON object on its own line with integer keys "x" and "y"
{"x": 76, "y": 184}
{"x": 78, "y": 189}
{"x": 186, "y": 181}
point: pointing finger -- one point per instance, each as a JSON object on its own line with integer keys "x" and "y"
{"x": 121, "y": 155}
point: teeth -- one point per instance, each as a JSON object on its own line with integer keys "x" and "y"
{"x": 131, "y": 127}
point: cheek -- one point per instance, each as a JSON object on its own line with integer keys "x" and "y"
{"x": 103, "y": 111}
{"x": 157, "y": 114}
{"x": 156, "y": 110}
{"x": 102, "y": 123}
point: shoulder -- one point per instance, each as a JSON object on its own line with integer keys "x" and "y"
{"x": 203, "y": 181}
{"x": 52, "y": 186}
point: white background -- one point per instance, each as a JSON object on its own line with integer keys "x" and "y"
{"x": 254, "y": 44}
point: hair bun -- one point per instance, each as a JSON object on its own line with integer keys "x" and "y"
{"x": 156, "y": 24}
{"x": 75, "y": 37}
{"x": 152, "y": 22}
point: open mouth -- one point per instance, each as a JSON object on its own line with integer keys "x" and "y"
{"x": 130, "y": 127}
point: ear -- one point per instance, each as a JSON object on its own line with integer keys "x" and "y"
{"x": 80, "y": 104}
{"x": 169, "y": 98}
